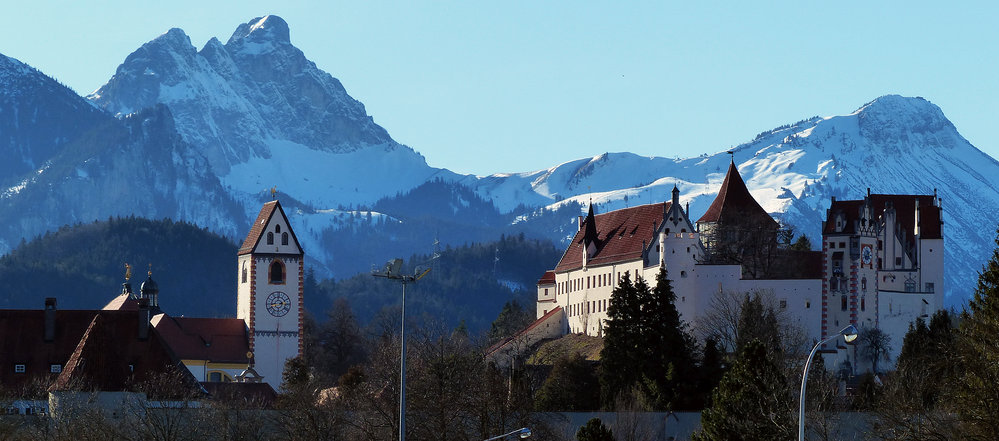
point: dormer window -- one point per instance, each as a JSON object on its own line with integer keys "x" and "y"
{"x": 270, "y": 238}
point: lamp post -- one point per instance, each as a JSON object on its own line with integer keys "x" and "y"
{"x": 849, "y": 334}
{"x": 392, "y": 271}
{"x": 523, "y": 433}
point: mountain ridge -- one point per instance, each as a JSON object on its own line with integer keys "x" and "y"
{"x": 231, "y": 139}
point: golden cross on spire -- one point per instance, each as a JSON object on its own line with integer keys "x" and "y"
{"x": 150, "y": 273}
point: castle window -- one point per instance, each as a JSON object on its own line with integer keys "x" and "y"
{"x": 277, "y": 228}
{"x": 863, "y": 284}
{"x": 898, "y": 261}
{"x": 929, "y": 286}
{"x": 276, "y": 273}
{"x": 863, "y": 304}
{"x": 683, "y": 274}
{"x": 19, "y": 368}
{"x": 783, "y": 304}
{"x": 244, "y": 273}
{"x": 842, "y": 303}
{"x": 219, "y": 377}
{"x": 284, "y": 238}
{"x": 808, "y": 304}
{"x": 270, "y": 238}
{"x": 55, "y": 368}
{"x": 833, "y": 284}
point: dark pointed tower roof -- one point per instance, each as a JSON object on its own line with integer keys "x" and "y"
{"x": 733, "y": 201}
{"x": 590, "y": 235}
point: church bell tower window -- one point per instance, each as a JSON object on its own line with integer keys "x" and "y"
{"x": 276, "y": 273}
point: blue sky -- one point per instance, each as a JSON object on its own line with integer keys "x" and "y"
{"x": 490, "y": 87}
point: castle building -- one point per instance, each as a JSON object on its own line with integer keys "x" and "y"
{"x": 881, "y": 264}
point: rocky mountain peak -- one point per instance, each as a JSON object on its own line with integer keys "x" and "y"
{"x": 896, "y": 118}
{"x": 260, "y": 35}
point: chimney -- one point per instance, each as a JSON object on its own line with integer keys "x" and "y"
{"x": 143, "y": 319}
{"x": 579, "y": 222}
{"x": 50, "y": 312}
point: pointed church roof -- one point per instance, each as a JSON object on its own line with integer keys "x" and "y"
{"x": 733, "y": 201}
{"x": 259, "y": 226}
{"x": 590, "y": 235}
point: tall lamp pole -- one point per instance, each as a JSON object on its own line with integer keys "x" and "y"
{"x": 393, "y": 271}
{"x": 849, "y": 334}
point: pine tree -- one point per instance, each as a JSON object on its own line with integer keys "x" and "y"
{"x": 594, "y": 430}
{"x": 622, "y": 342}
{"x": 647, "y": 347}
{"x": 751, "y": 402}
{"x": 669, "y": 370}
{"x": 976, "y": 392}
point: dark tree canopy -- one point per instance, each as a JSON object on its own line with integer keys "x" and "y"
{"x": 751, "y": 402}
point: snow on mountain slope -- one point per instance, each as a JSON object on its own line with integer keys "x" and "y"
{"x": 891, "y": 145}
{"x": 246, "y": 103}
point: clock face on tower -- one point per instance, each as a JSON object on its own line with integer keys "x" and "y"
{"x": 866, "y": 255}
{"x": 278, "y": 304}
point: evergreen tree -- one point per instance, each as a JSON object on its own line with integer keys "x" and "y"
{"x": 668, "y": 368}
{"x": 751, "y": 402}
{"x": 711, "y": 370}
{"x": 757, "y": 322}
{"x": 594, "y": 430}
{"x": 976, "y": 395}
{"x": 647, "y": 347}
{"x": 623, "y": 345}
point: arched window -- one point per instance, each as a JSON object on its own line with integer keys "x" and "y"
{"x": 270, "y": 238}
{"x": 833, "y": 283}
{"x": 863, "y": 284}
{"x": 277, "y": 228}
{"x": 863, "y": 304}
{"x": 284, "y": 238}
{"x": 842, "y": 303}
{"x": 244, "y": 272}
{"x": 276, "y": 273}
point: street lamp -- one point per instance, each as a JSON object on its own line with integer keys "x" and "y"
{"x": 392, "y": 271}
{"x": 523, "y": 433}
{"x": 849, "y": 334}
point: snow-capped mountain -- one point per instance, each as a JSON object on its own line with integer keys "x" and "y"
{"x": 201, "y": 135}
{"x": 893, "y": 144}
{"x": 264, "y": 115}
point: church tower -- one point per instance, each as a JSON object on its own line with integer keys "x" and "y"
{"x": 270, "y": 281}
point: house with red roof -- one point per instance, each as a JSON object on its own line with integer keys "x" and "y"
{"x": 131, "y": 339}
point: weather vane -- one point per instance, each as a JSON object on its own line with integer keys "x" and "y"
{"x": 273, "y": 192}
{"x": 150, "y": 273}
{"x": 128, "y": 271}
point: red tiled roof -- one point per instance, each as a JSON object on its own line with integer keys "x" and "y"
{"x": 257, "y": 229}
{"x": 122, "y": 303}
{"x": 620, "y": 234}
{"x": 547, "y": 279}
{"x": 905, "y": 213}
{"x": 22, "y": 341}
{"x": 538, "y": 322}
{"x": 214, "y": 339}
{"x": 110, "y": 356}
{"x": 734, "y": 201}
